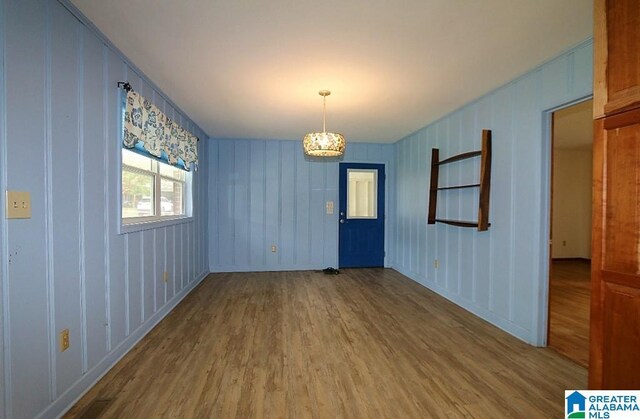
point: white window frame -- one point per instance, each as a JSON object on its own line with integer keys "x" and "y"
{"x": 132, "y": 224}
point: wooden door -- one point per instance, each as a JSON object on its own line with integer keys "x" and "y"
{"x": 616, "y": 56}
{"x": 615, "y": 300}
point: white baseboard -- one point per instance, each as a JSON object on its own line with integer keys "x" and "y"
{"x": 70, "y": 397}
{"x": 500, "y": 322}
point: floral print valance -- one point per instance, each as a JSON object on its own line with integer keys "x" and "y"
{"x": 145, "y": 123}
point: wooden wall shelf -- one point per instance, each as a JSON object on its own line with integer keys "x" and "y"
{"x": 482, "y": 224}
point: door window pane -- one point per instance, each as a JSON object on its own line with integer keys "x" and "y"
{"x": 362, "y": 193}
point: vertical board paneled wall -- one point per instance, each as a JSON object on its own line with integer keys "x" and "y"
{"x": 499, "y": 275}
{"x": 265, "y": 193}
{"x": 3, "y": 227}
{"x": 67, "y": 267}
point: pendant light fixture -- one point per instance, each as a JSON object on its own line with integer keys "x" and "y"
{"x": 324, "y": 144}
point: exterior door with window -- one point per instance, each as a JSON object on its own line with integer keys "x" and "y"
{"x": 362, "y": 216}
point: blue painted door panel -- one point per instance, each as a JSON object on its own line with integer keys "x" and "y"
{"x": 361, "y": 240}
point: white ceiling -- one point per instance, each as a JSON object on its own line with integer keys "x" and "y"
{"x": 252, "y": 69}
{"x": 573, "y": 127}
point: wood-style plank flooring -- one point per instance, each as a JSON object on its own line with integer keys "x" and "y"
{"x": 569, "y": 299}
{"x": 367, "y": 343}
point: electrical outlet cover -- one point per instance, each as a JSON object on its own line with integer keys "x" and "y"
{"x": 18, "y": 204}
{"x": 64, "y": 340}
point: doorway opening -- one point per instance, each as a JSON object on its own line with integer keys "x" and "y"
{"x": 570, "y": 241}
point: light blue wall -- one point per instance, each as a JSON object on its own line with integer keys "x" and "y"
{"x": 265, "y": 192}
{"x": 3, "y": 228}
{"x": 500, "y": 275}
{"x": 67, "y": 267}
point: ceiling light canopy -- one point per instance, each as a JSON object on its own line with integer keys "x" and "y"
{"x": 324, "y": 144}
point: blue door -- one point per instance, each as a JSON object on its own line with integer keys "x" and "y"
{"x": 361, "y": 215}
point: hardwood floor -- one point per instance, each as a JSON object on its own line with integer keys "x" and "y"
{"x": 569, "y": 299}
{"x": 367, "y": 343}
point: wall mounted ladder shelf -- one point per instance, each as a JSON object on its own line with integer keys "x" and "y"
{"x": 484, "y": 184}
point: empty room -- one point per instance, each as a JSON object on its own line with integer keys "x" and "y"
{"x": 292, "y": 209}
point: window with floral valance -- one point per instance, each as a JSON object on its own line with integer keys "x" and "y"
{"x": 149, "y": 130}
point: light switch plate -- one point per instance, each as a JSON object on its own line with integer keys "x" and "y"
{"x": 18, "y": 204}
{"x": 329, "y": 207}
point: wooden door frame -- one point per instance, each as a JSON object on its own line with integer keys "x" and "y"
{"x": 541, "y": 289}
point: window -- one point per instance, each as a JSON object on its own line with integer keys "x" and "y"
{"x": 362, "y": 193}
{"x": 157, "y": 155}
{"x": 152, "y": 190}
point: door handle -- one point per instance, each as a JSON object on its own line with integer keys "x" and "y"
{"x": 341, "y": 221}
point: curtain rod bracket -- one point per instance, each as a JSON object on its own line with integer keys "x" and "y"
{"x": 125, "y": 85}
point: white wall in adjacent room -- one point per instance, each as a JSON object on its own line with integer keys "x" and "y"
{"x": 572, "y": 176}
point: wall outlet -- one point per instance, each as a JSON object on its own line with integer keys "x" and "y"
{"x": 436, "y": 263}
{"x": 64, "y": 340}
{"x": 165, "y": 276}
{"x": 274, "y": 248}
{"x": 18, "y": 204}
